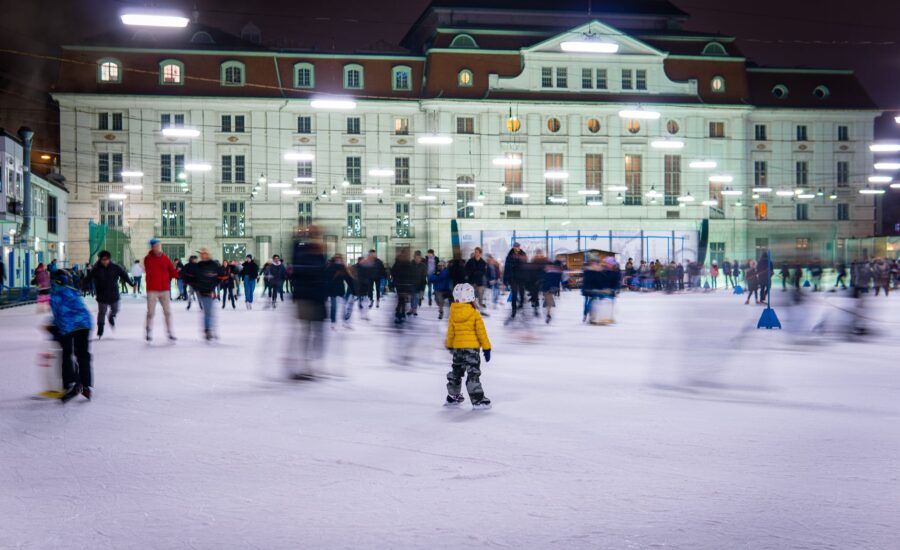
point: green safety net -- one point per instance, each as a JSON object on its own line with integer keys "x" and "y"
{"x": 102, "y": 237}
{"x": 96, "y": 238}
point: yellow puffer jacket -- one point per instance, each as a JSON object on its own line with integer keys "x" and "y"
{"x": 466, "y": 328}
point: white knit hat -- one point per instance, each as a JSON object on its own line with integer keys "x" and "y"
{"x": 463, "y": 293}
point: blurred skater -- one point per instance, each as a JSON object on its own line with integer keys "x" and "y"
{"x": 73, "y": 329}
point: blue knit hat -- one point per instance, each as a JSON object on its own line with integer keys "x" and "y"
{"x": 154, "y": 242}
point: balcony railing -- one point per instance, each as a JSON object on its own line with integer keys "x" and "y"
{"x": 169, "y": 231}
{"x": 233, "y": 232}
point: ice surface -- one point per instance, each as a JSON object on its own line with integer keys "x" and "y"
{"x": 678, "y": 427}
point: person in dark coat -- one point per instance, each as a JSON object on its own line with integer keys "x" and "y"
{"x": 440, "y": 280}
{"x": 249, "y": 273}
{"x": 205, "y": 276}
{"x": 227, "y": 278}
{"x": 310, "y": 284}
{"x": 105, "y": 276}
{"x": 513, "y": 276}
{"x": 276, "y": 275}
{"x": 404, "y": 277}
{"x": 752, "y": 279}
{"x": 338, "y": 283}
{"x": 763, "y": 269}
{"x": 476, "y": 273}
{"x": 420, "y": 281}
{"x": 431, "y": 265}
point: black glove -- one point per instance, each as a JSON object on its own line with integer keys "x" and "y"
{"x": 487, "y": 356}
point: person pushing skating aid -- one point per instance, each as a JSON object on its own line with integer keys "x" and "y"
{"x": 466, "y": 338}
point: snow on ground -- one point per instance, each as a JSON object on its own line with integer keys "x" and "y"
{"x": 679, "y": 427}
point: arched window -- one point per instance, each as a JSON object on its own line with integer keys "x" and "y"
{"x": 232, "y": 73}
{"x": 304, "y": 75}
{"x": 202, "y": 37}
{"x": 401, "y": 78}
{"x": 171, "y": 71}
{"x": 463, "y": 41}
{"x": 109, "y": 70}
{"x": 465, "y": 79}
{"x": 717, "y": 84}
{"x": 780, "y": 91}
{"x": 715, "y": 49}
{"x": 353, "y": 77}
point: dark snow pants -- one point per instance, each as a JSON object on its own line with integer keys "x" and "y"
{"x": 466, "y": 361}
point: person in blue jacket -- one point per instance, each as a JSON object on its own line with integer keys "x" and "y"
{"x": 440, "y": 282}
{"x": 73, "y": 330}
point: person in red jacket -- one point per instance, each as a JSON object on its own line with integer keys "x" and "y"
{"x": 159, "y": 271}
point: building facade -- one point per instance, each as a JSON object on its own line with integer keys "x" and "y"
{"x": 47, "y": 238}
{"x": 562, "y": 129}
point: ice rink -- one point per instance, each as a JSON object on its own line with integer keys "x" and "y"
{"x": 682, "y": 426}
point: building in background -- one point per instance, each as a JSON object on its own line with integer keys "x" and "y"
{"x": 47, "y": 237}
{"x": 614, "y": 130}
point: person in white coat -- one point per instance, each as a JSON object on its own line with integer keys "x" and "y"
{"x": 137, "y": 273}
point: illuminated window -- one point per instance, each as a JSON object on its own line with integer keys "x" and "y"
{"x": 672, "y": 127}
{"x": 553, "y": 124}
{"x": 304, "y": 75}
{"x": 593, "y": 125}
{"x": 401, "y": 78}
{"x": 401, "y": 126}
{"x": 633, "y": 126}
{"x": 513, "y": 124}
{"x": 171, "y": 72}
{"x": 465, "y": 78}
{"x": 717, "y": 84}
{"x": 109, "y": 70}
{"x": 232, "y": 73}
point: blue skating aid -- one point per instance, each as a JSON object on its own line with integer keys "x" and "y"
{"x": 806, "y": 284}
{"x": 738, "y": 290}
{"x": 706, "y": 285}
{"x": 768, "y": 319}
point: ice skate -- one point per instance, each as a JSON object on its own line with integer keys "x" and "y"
{"x": 454, "y": 400}
{"x": 71, "y": 393}
{"x": 87, "y": 392}
{"x": 482, "y": 405}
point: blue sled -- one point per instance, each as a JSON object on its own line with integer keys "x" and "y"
{"x": 768, "y": 319}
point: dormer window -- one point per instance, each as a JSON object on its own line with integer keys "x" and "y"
{"x": 465, "y": 78}
{"x": 463, "y": 41}
{"x": 109, "y": 70}
{"x": 304, "y": 75}
{"x": 232, "y": 73}
{"x": 171, "y": 72}
{"x": 780, "y": 91}
{"x": 353, "y": 77}
{"x": 401, "y": 78}
{"x": 715, "y": 49}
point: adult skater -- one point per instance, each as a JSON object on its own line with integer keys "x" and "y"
{"x": 137, "y": 273}
{"x": 513, "y": 277}
{"x": 420, "y": 281}
{"x": 309, "y": 284}
{"x": 466, "y": 339}
{"x": 204, "y": 277}
{"x": 160, "y": 271}
{"x": 440, "y": 282}
{"x": 553, "y": 273}
{"x": 431, "y": 265}
{"x": 42, "y": 281}
{"x": 249, "y": 273}
{"x": 403, "y": 273}
{"x": 227, "y": 283}
{"x": 276, "y": 275}
{"x": 72, "y": 328}
{"x": 476, "y": 275}
{"x": 339, "y": 284}
{"x": 105, "y": 276}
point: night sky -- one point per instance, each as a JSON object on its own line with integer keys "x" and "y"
{"x": 863, "y": 36}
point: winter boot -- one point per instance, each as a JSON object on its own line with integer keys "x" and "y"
{"x": 72, "y": 392}
{"x": 87, "y": 392}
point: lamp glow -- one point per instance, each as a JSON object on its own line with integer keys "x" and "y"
{"x": 304, "y": 179}
{"x": 118, "y": 196}
{"x": 588, "y": 191}
{"x": 710, "y": 203}
{"x": 784, "y": 193}
{"x": 437, "y": 190}
{"x": 703, "y": 164}
{"x": 181, "y": 132}
{"x": 588, "y": 46}
{"x": 732, "y": 192}
{"x": 507, "y": 161}
{"x": 132, "y": 187}
{"x": 880, "y": 179}
{"x": 721, "y": 178}
{"x": 868, "y": 191}
{"x": 132, "y": 174}
{"x": 427, "y": 198}
{"x": 667, "y": 144}
{"x": 290, "y": 192}
{"x": 887, "y": 165}
{"x": 299, "y": 155}
{"x": 154, "y": 20}
{"x": 279, "y": 185}
{"x": 639, "y": 114}
{"x": 595, "y": 203}
{"x": 518, "y": 195}
{"x": 474, "y": 203}
{"x": 884, "y": 147}
{"x": 372, "y": 191}
{"x": 381, "y": 172}
{"x": 333, "y": 104}
{"x": 434, "y": 139}
{"x": 558, "y": 200}
{"x": 686, "y": 198}
{"x": 556, "y": 175}
{"x": 807, "y": 196}
{"x": 762, "y": 189}
{"x": 198, "y": 167}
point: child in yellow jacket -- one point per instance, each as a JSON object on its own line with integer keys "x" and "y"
{"x": 466, "y": 337}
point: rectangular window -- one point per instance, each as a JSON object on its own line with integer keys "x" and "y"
{"x": 226, "y": 169}
{"x": 401, "y": 126}
{"x": 593, "y": 174}
{"x": 305, "y": 214}
{"x": 233, "y": 219}
{"x": 465, "y": 125}
{"x": 226, "y": 123}
{"x": 353, "y": 125}
{"x": 304, "y": 77}
{"x": 401, "y": 170}
{"x": 760, "y": 173}
{"x": 802, "y": 211}
{"x": 553, "y": 187}
{"x": 116, "y": 167}
{"x": 165, "y": 168}
{"x": 601, "y": 79}
{"x": 103, "y": 121}
{"x": 843, "y": 211}
{"x": 239, "y": 124}
{"x": 354, "y": 219}
{"x": 172, "y": 219}
{"x": 165, "y": 121}
{"x": 760, "y": 132}
{"x": 802, "y": 173}
{"x": 627, "y": 82}
{"x": 512, "y": 180}
{"x": 179, "y": 167}
{"x": 843, "y": 133}
{"x": 672, "y": 175}
{"x": 761, "y": 210}
{"x": 802, "y": 244}
{"x": 546, "y": 77}
{"x": 401, "y": 220}
{"x": 112, "y": 213}
{"x": 843, "y": 173}
{"x": 401, "y": 80}
{"x": 304, "y": 125}
{"x": 305, "y": 170}
{"x": 103, "y": 167}
{"x": 717, "y": 253}
{"x": 354, "y": 170}
{"x": 52, "y": 213}
{"x": 117, "y": 122}
{"x": 562, "y": 77}
{"x": 587, "y": 79}
{"x": 464, "y": 195}
{"x": 239, "y": 171}
{"x": 717, "y": 130}
{"x": 178, "y": 120}
{"x": 802, "y": 133}
{"x": 633, "y": 179}
{"x": 640, "y": 80}
{"x": 354, "y": 252}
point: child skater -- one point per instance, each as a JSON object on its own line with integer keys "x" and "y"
{"x": 466, "y": 337}
{"x": 73, "y": 325}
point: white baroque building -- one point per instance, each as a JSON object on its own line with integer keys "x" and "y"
{"x": 662, "y": 143}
